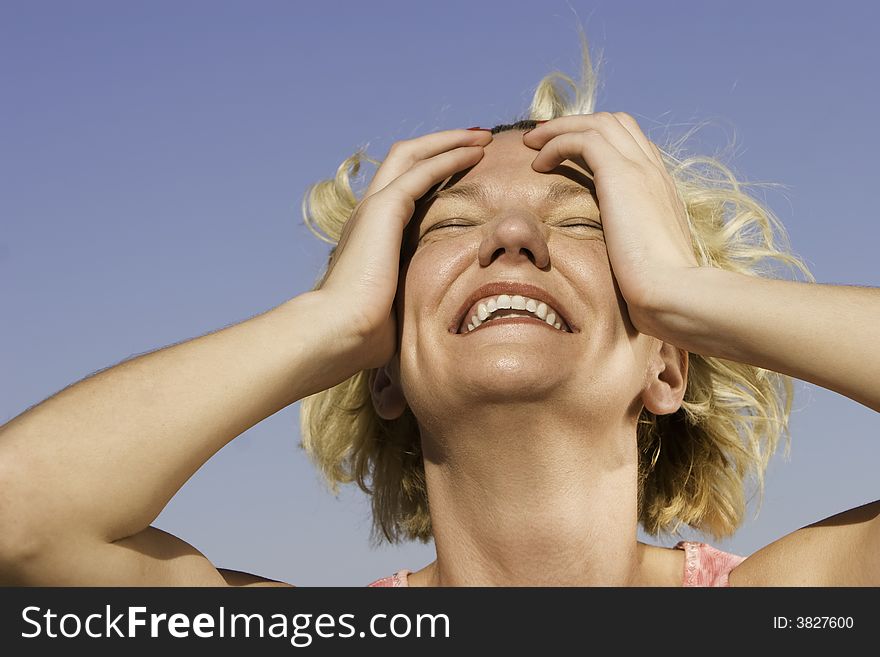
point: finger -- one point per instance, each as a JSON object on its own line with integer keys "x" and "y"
{"x": 403, "y": 155}
{"x": 659, "y": 155}
{"x": 589, "y": 146}
{"x": 378, "y": 221}
{"x": 641, "y": 139}
{"x": 415, "y": 182}
{"x": 604, "y": 122}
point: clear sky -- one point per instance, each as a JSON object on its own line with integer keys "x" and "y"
{"x": 153, "y": 158}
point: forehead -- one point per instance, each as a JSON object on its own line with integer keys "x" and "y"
{"x": 505, "y": 173}
{"x": 503, "y": 177}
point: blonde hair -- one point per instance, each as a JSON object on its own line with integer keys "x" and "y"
{"x": 693, "y": 464}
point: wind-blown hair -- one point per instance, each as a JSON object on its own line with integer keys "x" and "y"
{"x": 694, "y": 464}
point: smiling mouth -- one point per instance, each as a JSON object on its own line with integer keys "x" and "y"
{"x": 517, "y": 309}
{"x": 515, "y": 318}
{"x": 510, "y": 302}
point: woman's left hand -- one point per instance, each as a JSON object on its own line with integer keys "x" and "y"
{"x": 644, "y": 220}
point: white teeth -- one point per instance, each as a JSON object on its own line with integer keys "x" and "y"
{"x": 485, "y": 311}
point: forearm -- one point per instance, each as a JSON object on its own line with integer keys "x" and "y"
{"x": 824, "y": 334}
{"x": 105, "y": 455}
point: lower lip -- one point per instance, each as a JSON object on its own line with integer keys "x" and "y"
{"x": 525, "y": 321}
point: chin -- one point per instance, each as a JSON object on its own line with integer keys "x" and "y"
{"x": 509, "y": 377}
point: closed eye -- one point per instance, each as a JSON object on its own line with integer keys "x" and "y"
{"x": 453, "y": 223}
{"x": 584, "y": 223}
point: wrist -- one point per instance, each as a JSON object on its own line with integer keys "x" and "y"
{"x": 685, "y": 309}
{"x": 326, "y": 354}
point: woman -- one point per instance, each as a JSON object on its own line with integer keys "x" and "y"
{"x": 527, "y": 342}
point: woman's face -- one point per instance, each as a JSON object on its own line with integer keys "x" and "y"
{"x": 523, "y": 227}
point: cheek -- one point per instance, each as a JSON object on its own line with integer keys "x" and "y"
{"x": 427, "y": 279}
{"x": 631, "y": 331}
{"x": 442, "y": 260}
{"x": 587, "y": 266}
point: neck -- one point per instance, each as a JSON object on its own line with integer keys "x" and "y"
{"x": 533, "y": 502}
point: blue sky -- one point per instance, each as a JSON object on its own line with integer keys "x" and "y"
{"x": 155, "y": 155}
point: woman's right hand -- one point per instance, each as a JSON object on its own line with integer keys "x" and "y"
{"x": 361, "y": 282}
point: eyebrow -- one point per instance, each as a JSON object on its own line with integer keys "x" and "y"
{"x": 556, "y": 192}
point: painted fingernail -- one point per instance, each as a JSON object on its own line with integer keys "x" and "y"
{"x": 544, "y": 121}
{"x": 476, "y": 127}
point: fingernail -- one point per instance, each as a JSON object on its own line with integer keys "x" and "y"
{"x": 476, "y": 127}
{"x": 537, "y": 123}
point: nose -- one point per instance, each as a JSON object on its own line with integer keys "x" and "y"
{"x": 515, "y": 237}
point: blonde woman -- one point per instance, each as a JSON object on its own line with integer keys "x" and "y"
{"x": 529, "y": 340}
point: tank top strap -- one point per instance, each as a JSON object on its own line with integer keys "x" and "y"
{"x": 705, "y": 565}
{"x": 398, "y": 579}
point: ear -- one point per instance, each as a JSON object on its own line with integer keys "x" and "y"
{"x": 388, "y": 399}
{"x": 666, "y": 379}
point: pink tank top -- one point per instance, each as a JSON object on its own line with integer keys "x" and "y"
{"x": 704, "y": 565}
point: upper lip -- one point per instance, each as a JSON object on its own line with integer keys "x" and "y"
{"x": 512, "y": 287}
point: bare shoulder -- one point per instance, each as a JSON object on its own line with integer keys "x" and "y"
{"x": 842, "y": 550}
{"x": 239, "y": 578}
